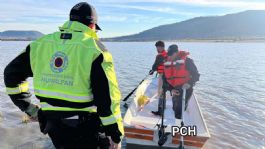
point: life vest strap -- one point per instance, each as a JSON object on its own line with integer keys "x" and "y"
{"x": 171, "y": 78}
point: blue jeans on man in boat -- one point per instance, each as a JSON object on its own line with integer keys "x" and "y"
{"x": 177, "y": 102}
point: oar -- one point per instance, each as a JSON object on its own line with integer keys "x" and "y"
{"x": 130, "y": 94}
{"x": 161, "y": 132}
{"x": 181, "y": 144}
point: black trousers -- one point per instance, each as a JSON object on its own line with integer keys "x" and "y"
{"x": 82, "y": 133}
{"x": 177, "y": 102}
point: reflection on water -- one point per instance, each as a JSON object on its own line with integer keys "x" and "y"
{"x": 231, "y": 90}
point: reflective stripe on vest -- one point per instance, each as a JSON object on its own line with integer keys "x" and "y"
{"x": 174, "y": 63}
{"x": 47, "y": 107}
{"x": 65, "y": 96}
{"x": 24, "y": 87}
{"x": 110, "y": 119}
{"x": 171, "y": 78}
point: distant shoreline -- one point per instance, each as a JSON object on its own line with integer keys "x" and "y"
{"x": 194, "y": 40}
{"x": 180, "y": 40}
{"x": 16, "y": 39}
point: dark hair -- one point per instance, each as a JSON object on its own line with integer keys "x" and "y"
{"x": 172, "y": 49}
{"x": 160, "y": 44}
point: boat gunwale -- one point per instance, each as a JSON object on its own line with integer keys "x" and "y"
{"x": 204, "y": 123}
{"x": 202, "y": 139}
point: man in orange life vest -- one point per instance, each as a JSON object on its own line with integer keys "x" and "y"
{"x": 159, "y": 64}
{"x": 179, "y": 71}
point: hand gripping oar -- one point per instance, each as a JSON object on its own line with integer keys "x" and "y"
{"x": 181, "y": 143}
{"x": 130, "y": 94}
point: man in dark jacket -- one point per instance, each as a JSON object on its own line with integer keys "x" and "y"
{"x": 158, "y": 65}
{"x": 160, "y": 58}
{"x": 179, "y": 72}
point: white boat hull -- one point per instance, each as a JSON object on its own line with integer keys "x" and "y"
{"x": 141, "y": 126}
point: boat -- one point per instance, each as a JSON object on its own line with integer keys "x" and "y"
{"x": 142, "y": 127}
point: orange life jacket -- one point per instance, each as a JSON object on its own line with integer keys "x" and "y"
{"x": 175, "y": 71}
{"x": 160, "y": 68}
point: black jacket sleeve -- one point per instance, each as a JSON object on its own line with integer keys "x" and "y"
{"x": 191, "y": 67}
{"x": 100, "y": 88}
{"x": 15, "y": 73}
{"x": 159, "y": 59}
{"x": 102, "y": 99}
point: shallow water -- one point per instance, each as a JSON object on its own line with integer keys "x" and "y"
{"x": 231, "y": 91}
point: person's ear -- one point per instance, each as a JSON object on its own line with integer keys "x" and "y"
{"x": 92, "y": 26}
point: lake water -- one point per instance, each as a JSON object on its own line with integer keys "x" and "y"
{"x": 231, "y": 90}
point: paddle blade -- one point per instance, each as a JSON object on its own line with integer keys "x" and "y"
{"x": 142, "y": 100}
{"x": 125, "y": 105}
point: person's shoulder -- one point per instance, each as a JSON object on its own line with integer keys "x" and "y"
{"x": 160, "y": 56}
{"x": 101, "y": 46}
{"x": 102, "y": 50}
{"x": 45, "y": 38}
{"x": 189, "y": 60}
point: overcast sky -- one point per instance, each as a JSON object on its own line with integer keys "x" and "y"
{"x": 116, "y": 17}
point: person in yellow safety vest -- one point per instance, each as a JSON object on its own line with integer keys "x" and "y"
{"x": 74, "y": 79}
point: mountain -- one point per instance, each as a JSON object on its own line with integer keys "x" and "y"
{"x": 20, "y": 35}
{"x": 244, "y": 25}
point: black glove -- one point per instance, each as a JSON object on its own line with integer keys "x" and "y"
{"x": 151, "y": 72}
{"x": 21, "y": 100}
{"x": 114, "y": 132}
{"x": 103, "y": 141}
{"x": 42, "y": 121}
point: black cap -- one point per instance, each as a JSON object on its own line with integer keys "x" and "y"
{"x": 84, "y": 13}
{"x": 160, "y": 44}
{"x": 172, "y": 49}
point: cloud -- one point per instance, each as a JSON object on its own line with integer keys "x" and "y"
{"x": 132, "y": 15}
{"x": 223, "y": 3}
{"x": 112, "y": 18}
{"x": 203, "y": 3}
{"x": 44, "y": 28}
{"x": 168, "y": 10}
{"x": 26, "y": 11}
